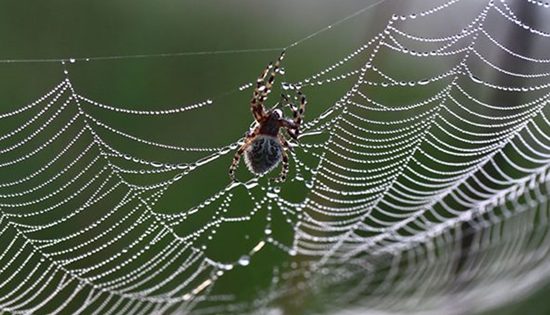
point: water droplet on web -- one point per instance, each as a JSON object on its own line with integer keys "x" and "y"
{"x": 282, "y": 71}
{"x": 423, "y": 82}
{"x": 209, "y": 101}
{"x": 251, "y": 183}
{"x": 285, "y": 86}
{"x": 72, "y": 60}
{"x": 227, "y": 267}
{"x": 476, "y": 79}
{"x": 206, "y": 160}
{"x": 156, "y": 164}
{"x": 232, "y": 185}
{"x": 309, "y": 184}
{"x": 224, "y": 150}
{"x": 244, "y": 260}
{"x": 271, "y": 194}
{"x": 268, "y": 231}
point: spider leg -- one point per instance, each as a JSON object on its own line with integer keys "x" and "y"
{"x": 285, "y": 143}
{"x": 298, "y": 114}
{"x": 290, "y": 127}
{"x": 263, "y": 88}
{"x": 284, "y": 169}
{"x": 239, "y": 153}
{"x": 293, "y": 126}
{"x": 256, "y": 104}
{"x": 271, "y": 79}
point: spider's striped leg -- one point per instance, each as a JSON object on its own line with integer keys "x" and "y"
{"x": 290, "y": 127}
{"x": 236, "y": 159}
{"x": 284, "y": 169}
{"x": 240, "y": 152}
{"x": 256, "y": 104}
{"x": 263, "y": 88}
{"x": 271, "y": 79}
{"x": 298, "y": 114}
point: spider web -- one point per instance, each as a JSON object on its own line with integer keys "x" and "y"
{"x": 413, "y": 191}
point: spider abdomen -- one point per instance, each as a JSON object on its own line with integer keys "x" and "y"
{"x": 263, "y": 154}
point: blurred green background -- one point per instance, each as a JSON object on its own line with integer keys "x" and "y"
{"x": 78, "y": 29}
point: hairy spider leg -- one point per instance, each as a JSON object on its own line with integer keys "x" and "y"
{"x": 299, "y": 115}
{"x": 248, "y": 140}
{"x": 271, "y": 79}
{"x": 284, "y": 169}
{"x": 263, "y": 88}
{"x": 293, "y": 127}
{"x": 256, "y": 104}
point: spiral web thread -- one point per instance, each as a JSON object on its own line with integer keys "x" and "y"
{"x": 431, "y": 201}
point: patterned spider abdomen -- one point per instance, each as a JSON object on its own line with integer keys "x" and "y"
{"x": 263, "y": 154}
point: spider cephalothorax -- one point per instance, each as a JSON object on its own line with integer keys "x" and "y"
{"x": 265, "y": 146}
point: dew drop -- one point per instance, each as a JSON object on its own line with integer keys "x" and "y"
{"x": 244, "y": 260}
{"x": 224, "y": 150}
{"x": 72, "y": 60}
{"x": 206, "y": 160}
{"x": 271, "y": 195}
{"x": 423, "y": 82}
{"x": 156, "y": 164}
{"x": 476, "y": 79}
{"x": 251, "y": 183}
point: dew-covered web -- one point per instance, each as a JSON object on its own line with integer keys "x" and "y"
{"x": 422, "y": 190}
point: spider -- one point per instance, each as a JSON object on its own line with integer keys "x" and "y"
{"x": 265, "y": 146}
